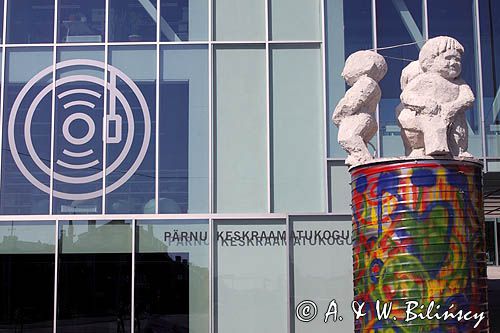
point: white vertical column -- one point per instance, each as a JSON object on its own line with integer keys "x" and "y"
{"x": 132, "y": 296}
{"x": 53, "y": 107}
{"x": 211, "y": 132}
{"x": 375, "y": 46}
{"x": 2, "y": 83}
{"x": 157, "y": 113}
{"x": 267, "y": 19}
{"x": 425, "y": 18}
{"x": 211, "y": 175}
{"x": 56, "y": 265}
{"x": 325, "y": 106}
{"x": 105, "y": 106}
{"x": 289, "y": 275}
{"x": 211, "y": 287}
{"x": 479, "y": 78}
{"x": 495, "y": 238}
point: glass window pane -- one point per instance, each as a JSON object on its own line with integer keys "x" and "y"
{"x": 1, "y": 19}
{"x": 132, "y": 20}
{"x": 130, "y": 160}
{"x": 183, "y": 130}
{"x": 241, "y": 161}
{"x": 295, "y": 19}
{"x": 26, "y": 158}
{"x": 456, "y": 19}
{"x": 171, "y": 276}
{"x": 183, "y": 20}
{"x": 27, "y": 276}
{"x": 30, "y": 21}
{"x": 498, "y": 241}
{"x": 94, "y": 281}
{"x": 78, "y": 160}
{"x": 398, "y": 22}
{"x": 81, "y": 21}
{"x": 490, "y": 242}
{"x": 355, "y": 16}
{"x": 298, "y": 135}
{"x": 327, "y": 277}
{"x": 251, "y": 294}
{"x": 490, "y": 49}
{"x": 340, "y": 188}
{"x": 240, "y": 20}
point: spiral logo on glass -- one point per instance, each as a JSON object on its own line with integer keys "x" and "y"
{"x": 76, "y": 158}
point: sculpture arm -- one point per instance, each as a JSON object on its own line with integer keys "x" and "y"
{"x": 464, "y": 101}
{"x": 419, "y": 96}
{"x": 418, "y": 103}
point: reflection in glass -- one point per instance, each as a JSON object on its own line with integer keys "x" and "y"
{"x": 340, "y": 180}
{"x": 183, "y": 20}
{"x": 130, "y": 160}
{"x": 251, "y": 277}
{"x": 240, "y": 20}
{"x": 1, "y": 18}
{"x": 171, "y": 274}
{"x": 498, "y": 242}
{"x": 456, "y": 19}
{"x": 78, "y": 133}
{"x": 318, "y": 279}
{"x": 23, "y": 157}
{"x": 132, "y": 20}
{"x": 241, "y": 161}
{"x": 30, "y": 21}
{"x": 355, "y": 17}
{"x": 27, "y": 251}
{"x": 94, "y": 281}
{"x": 398, "y": 22}
{"x": 490, "y": 48}
{"x": 298, "y": 136}
{"x": 490, "y": 242}
{"x": 286, "y": 15}
{"x": 81, "y": 21}
{"x": 183, "y": 130}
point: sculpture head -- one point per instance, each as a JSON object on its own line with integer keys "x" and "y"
{"x": 364, "y": 63}
{"x": 442, "y": 55}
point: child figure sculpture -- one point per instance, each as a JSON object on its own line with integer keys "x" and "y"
{"x": 413, "y": 139}
{"x": 355, "y": 113}
{"x": 434, "y": 102}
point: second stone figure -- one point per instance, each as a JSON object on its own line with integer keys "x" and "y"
{"x": 434, "y": 100}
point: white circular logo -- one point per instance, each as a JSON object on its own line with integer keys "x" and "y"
{"x": 133, "y": 146}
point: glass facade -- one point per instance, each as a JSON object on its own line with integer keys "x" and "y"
{"x": 170, "y": 165}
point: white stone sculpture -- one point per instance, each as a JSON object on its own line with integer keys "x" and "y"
{"x": 355, "y": 113}
{"x": 413, "y": 139}
{"x": 434, "y": 100}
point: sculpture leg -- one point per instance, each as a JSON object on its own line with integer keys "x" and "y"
{"x": 434, "y": 130}
{"x": 354, "y": 132}
{"x": 413, "y": 138}
{"x": 413, "y": 142}
{"x": 458, "y": 136}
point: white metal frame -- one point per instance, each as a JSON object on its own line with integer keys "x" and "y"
{"x": 375, "y": 48}
{"x": 211, "y": 215}
{"x": 479, "y": 78}
{"x": 495, "y": 230}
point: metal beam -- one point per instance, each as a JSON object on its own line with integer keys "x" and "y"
{"x": 164, "y": 26}
{"x": 409, "y": 22}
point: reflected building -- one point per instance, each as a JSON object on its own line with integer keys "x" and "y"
{"x": 158, "y": 155}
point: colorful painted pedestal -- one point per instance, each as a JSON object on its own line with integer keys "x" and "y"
{"x": 418, "y": 228}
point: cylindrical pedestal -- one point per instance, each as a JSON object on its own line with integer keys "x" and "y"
{"x": 418, "y": 229}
